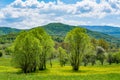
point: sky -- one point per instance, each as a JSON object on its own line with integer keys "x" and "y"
{"x": 26, "y": 14}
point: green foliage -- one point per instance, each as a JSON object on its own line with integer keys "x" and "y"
{"x": 26, "y": 52}
{"x": 78, "y": 42}
{"x": 117, "y": 57}
{"x": 58, "y": 29}
{"x": 9, "y": 50}
{"x": 31, "y": 49}
{"x": 113, "y": 31}
{"x": 89, "y": 58}
{"x": 90, "y": 55}
{"x": 9, "y": 38}
{"x": 108, "y": 38}
{"x": 100, "y": 54}
{"x": 63, "y": 57}
{"x": 47, "y": 45}
{"x": 103, "y": 44}
{"x": 111, "y": 58}
{"x": 7, "y": 30}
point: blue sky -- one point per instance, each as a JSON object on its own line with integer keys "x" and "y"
{"x": 26, "y": 14}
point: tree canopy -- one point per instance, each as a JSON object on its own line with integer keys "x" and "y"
{"x": 31, "y": 49}
{"x": 78, "y": 42}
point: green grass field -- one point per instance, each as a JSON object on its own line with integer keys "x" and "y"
{"x": 97, "y": 72}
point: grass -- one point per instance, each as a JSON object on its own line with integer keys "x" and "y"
{"x": 97, "y": 72}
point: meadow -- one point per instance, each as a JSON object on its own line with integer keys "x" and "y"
{"x": 97, "y": 72}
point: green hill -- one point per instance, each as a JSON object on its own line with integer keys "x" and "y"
{"x": 59, "y": 29}
{"x": 7, "y": 30}
{"x": 113, "y": 31}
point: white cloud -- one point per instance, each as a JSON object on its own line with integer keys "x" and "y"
{"x": 34, "y": 13}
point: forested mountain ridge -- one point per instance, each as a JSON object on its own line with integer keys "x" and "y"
{"x": 60, "y": 30}
{"x": 113, "y": 31}
{"x": 8, "y": 30}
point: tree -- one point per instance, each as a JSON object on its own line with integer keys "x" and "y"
{"x": 86, "y": 59}
{"x": 31, "y": 50}
{"x": 103, "y": 44}
{"x": 9, "y": 50}
{"x": 113, "y": 57}
{"x": 1, "y": 53}
{"x": 78, "y": 42}
{"x": 100, "y": 54}
{"x": 62, "y": 56}
{"x": 117, "y": 57}
{"x": 110, "y": 58}
{"x": 26, "y": 52}
{"x": 94, "y": 42}
{"x": 90, "y": 55}
{"x": 47, "y": 45}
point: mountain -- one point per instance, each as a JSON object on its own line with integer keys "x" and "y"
{"x": 8, "y": 30}
{"x": 113, "y": 31}
{"x": 60, "y": 29}
{"x": 57, "y": 31}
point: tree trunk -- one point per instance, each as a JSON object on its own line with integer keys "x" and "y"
{"x": 50, "y": 63}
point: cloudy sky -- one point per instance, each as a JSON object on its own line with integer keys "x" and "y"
{"x": 31, "y": 13}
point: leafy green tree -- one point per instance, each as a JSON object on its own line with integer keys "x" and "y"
{"x": 103, "y": 44}
{"x": 46, "y": 43}
{"x": 86, "y": 59}
{"x": 113, "y": 57}
{"x": 110, "y": 58}
{"x": 100, "y": 54}
{"x": 26, "y": 51}
{"x": 31, "y": 50}
{"x": 117, "y": 57}
{"x": 90, "y": 55}
{"x": 94, "y": 42}
{"x": 9, "y": 50}
{"x": 78, "y": 41}
{"x": 62, "y": 56}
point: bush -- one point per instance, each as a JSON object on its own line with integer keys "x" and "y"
{"x": 113, "y": 58}
{"x": 117, "y": 57}
{"x": 89, "y": 58}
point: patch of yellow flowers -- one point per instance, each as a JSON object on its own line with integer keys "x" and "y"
{"x": 67, "y": 70}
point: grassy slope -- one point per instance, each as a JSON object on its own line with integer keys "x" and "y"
{"x": 97, "y": 72}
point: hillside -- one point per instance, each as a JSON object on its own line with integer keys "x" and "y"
{"x": 113, "y": 31}
{"x": 60, "y": 29}
{"x": 58, "y": 32}
{"x": 7, "y": 30}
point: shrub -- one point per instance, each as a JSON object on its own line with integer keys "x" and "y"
{"x": 117, "y": 57}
